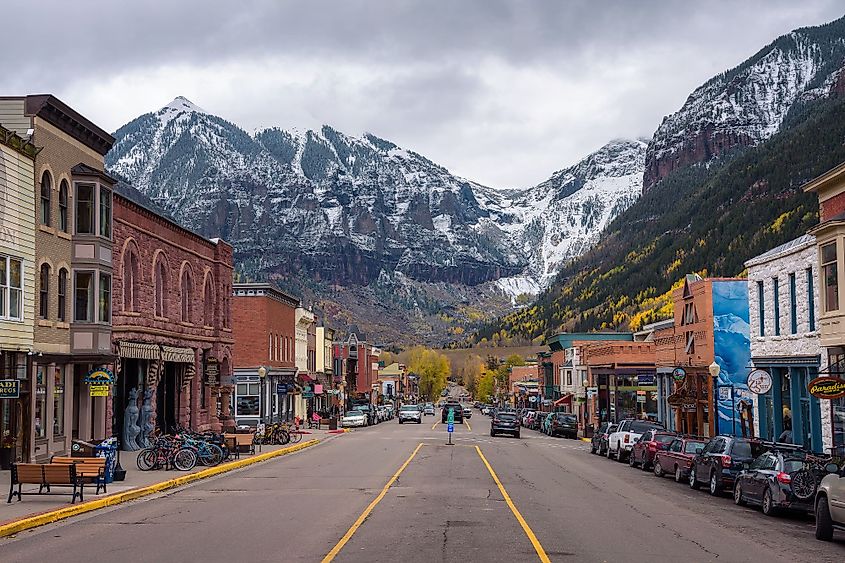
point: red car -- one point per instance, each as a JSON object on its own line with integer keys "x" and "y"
{"x": 677, "y": 458}
{"x": 647, "y": 446}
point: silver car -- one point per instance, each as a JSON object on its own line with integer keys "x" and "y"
{"x": 410, "y": 413}
{"x": 830, "y": 503}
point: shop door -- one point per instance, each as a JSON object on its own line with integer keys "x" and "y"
{"x": 167, "y": 398}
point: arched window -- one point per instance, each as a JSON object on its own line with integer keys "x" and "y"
{"x": 44, "y": 291}
{"x": 46, "y": 197}
{"x": 208, "y": 303}
{"x": 160, "y": 289}
{"x": 62, "y": 309}
{"x": 130, "y": 280}
{"x": 187, "y": 296}
{"x": 63, "y": 206}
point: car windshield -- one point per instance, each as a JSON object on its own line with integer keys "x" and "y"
{"x": 567, "y": 417}
{"x": 355, "y": 412}
{"x": 612, "y": 428}
{"x": 507, "y": 416}
{"x": 641, "y": 427}
{"x": 793, "y": 464}
{"x": 409, "y": 408}
{"x": 691, "y": 447}
{"x": 745, "y": 449}
{"x": 664, "y": 438}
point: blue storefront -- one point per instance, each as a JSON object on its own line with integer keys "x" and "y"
{"x": 788, "y": 406}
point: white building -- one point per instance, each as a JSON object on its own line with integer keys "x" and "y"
{"x": 784, "y": 319}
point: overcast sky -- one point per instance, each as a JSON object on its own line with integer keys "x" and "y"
{"x": 502, "y": 92}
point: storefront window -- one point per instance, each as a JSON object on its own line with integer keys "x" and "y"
{"x": 59, "y": 401}
{"x": 830, "y": 277}
{"x": 247, "y": 399}
{"x": 41, "y": 402}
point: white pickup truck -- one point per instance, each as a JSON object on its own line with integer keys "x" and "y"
{"x": 620, "y": 443}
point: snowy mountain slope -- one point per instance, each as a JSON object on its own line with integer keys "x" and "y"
{"x": 747, "y": 104}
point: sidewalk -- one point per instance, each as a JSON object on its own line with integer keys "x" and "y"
{"x": 135, "y": 479}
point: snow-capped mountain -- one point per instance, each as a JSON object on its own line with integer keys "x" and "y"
{"x": 344, "y": 209}
{"x": 748, "y": 104}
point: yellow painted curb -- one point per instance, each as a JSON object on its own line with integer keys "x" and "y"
{"x": 586, "y": 440}
{"x": 132, "y": 494}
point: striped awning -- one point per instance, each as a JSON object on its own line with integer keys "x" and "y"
{"x": 139, "y": 351}
{"x": 179, "y": 355}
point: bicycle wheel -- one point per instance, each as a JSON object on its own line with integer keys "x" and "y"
{"x": 146, "y": 459}
{"x": 184, "y": 459}
{"x": 295, "y": 436}
{"x": 212, "y": 455}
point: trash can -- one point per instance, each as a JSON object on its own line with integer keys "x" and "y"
{"x": 333, "y": 423}
{"x": 81, "y": 448}
{"x": 108, "y": 450}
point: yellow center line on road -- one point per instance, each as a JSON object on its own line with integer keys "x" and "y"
{"x": 433, "y": 426}
{"x": 349, "y": 533}
{"x": 541, "y": 553}
{"x": 468, "y": 426}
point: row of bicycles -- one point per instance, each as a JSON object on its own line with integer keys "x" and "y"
{"x": 277, "y": 433}
{"x": 183, "y": 451}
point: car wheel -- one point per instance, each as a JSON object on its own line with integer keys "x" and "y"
{"x": 824, "y": 523}
{"x": 693, "y": 481}
{"x": 400, "y": 421}
{"x": 658, "y": 470}
{"x": 738, "y": 500}
{"x": 608, "y": 453}
{"x": 715, "y": 489}
{"x": 769, "y": 508}
{"x": 492, "y": 434}
{"x": 632, "y": 460}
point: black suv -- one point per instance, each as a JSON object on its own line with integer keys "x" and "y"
{"x": 505, "y": 422}
{"x": 721, "y": 461}
{"x": 564, "y": 424}
{"x": 459, "y": 412}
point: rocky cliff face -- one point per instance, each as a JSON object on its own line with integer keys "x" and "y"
{"x": 748, "y": 104}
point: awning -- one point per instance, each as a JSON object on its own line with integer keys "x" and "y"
{"x": 305, "y": 377}
{"x": 139, "y": 351}
{"x": 179, "y": 355}
{"x": 565, "y": 399}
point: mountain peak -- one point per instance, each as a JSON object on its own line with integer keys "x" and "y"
{"x": 181, "y": 103}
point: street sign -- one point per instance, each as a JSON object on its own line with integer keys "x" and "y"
{"x": 450, "y": 417}
{"x": 10, "y": 389}
{"x": 450, "y": 427}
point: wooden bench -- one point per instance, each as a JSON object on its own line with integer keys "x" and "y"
{"x": 45, "y": 475}
{"x": 90, "y": 469}
{"x": 240, "y": 443}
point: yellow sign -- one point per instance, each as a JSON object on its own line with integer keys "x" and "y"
{"x": 99, "y": 390}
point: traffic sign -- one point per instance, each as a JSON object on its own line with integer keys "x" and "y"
{"x": 450, "y": 417}
{"x": 450, "y": 427}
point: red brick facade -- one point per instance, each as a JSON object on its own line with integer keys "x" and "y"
{"x": 172, "y": 288}
{"x": 832, "y": 207}
{"x": 264, "y": 327}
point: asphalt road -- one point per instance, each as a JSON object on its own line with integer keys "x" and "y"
{"x": 444, "y": 505}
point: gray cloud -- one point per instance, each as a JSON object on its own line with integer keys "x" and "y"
{"x": 503, "y": 92}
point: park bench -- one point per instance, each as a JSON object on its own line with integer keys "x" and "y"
{"x": 45, "y": 475}
{"x": 90, "y": 469}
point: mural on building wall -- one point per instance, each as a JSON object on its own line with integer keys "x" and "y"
{"x": 732, "y": 344}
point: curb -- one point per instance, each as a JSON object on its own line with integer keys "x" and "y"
{"x": 588, "y": 440}
{"x": 132, "y": 494}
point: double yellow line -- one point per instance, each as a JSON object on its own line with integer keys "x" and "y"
{"x": 541, "y": 553}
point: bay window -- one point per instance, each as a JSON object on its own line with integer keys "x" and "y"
{"x": 830, "y": 277}
{"x": 85, "y": 209}
{"x": 83, "y": 308}
{"x": 105, "y": 298}
{"x": 105, "y": 212}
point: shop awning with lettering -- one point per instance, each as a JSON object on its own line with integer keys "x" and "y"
{"x": 139, "y": 351}
{"x": 178, "y": 355}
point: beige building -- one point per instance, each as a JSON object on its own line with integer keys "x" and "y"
{"x": 17, "y": 291}
{"x": 73, "y": 271}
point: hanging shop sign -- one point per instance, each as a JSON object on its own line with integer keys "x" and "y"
{"x": 759, "y": 382}
{"x": 99, "y": 376}
{"x": 98, "y": 390}
{"x": 645, "y": 379}
{"x": 678, "y": 374}
{"x": 10, "y": 389}
{"x": 282, "y": 388}
{"x": 641, "y": 396}
{"x": 212, "y": 371}
{"x": 827, "y": 387}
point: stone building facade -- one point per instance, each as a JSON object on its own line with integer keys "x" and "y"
{"x": 785, "y": 343}
{"x": 172, "y": 325}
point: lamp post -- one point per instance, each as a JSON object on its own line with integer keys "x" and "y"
{"x": 262, "y": 375}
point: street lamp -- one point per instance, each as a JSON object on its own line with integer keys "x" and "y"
{"x": 714, "y": 369}
{"x": 262, "y": 374}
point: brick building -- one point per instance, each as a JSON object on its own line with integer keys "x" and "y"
{"x": 357, "y": 362}
{"x": 264, "y": 322}
{"x": 172, "y": 324}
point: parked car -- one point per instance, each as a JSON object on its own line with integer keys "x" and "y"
{"x": 505, "y": 423}
{"x": 354, "y": 418}
{"x": 410, "y": 413}
{"x": 646, "y": 447}
{"x": 467, "y": 411}
{"x": 768, "y": 482}
{"x": 563, "y": 424}
{"x": 830, "y": 503}
{"x": 456, "y": 407}
{"x": 368, "y": 410}
{"x": 621, "y": 441}
{"x": 600, "y": 435}
{"x": 721, "y": 461}
{"x": 677, "y": 458}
